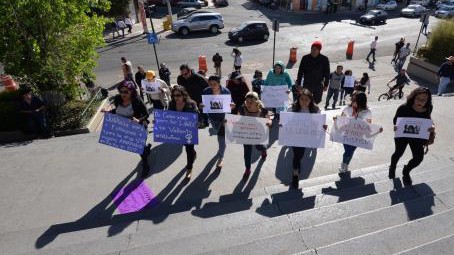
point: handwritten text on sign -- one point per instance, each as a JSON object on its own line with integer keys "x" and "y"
{"x": 302, "y": 130}
{"x": 355, "y": 132}
{"x": 151, "y": 87}
{"x": 246, "y": 130}
{"x": 175, "y": 127}
{"x": 275, "y": 96}
{"x": 216, "y": 103}
{"x": 413, "y": 127}
{"x": 134, "y": 197}
{"x": 122, "y": 133}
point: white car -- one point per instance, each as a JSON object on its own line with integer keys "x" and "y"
{"x": 391, "y": 5}
{"x": 445, "y": 11}
{"x": 413, "y": 10}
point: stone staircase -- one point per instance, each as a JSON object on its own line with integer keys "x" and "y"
{"x": 364, "y": 214}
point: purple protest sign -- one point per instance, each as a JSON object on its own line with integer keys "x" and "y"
{"x": 134, "y": 197}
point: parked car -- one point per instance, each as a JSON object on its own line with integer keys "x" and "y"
{"x": 413, "y": 10}
{"x": 445, "y": 11}
{"x": 221, "y": 3}
{"x": 420, "y": 2}
{"x": 186, "y": 12}
{"x": 250, "y": 30}
{"x": 199, "y": 22}
{"x": 373, "y": 17}
{"x": 444, "y": 2}
{"x": 191, "y": 3}
{"x": 391, "y": 5}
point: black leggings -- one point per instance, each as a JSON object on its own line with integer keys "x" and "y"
{"x": 298, "y": 153}
{"x": 417, "y": 149}
{"x": 190, "y": 155}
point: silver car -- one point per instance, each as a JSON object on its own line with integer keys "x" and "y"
{"x": 445, "y": 11}
{"x": 199, "y": 22}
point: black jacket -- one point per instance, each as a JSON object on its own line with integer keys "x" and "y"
{"x": 194, "y": 85}
{"x": 189, "y": 107}
{"x": 315, "y": 71}
{"x": 140, "y": 110}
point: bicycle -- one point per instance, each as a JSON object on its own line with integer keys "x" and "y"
{"x": 392, "y": 93}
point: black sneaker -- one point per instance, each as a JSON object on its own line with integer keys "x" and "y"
{"x": 406, "y": 179}
{"x": 295, "y": 181}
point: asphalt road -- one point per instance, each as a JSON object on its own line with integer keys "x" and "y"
{"x": 296, "y": 30}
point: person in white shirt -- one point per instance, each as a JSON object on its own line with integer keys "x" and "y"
{"x": 373, "y": 48}
{"x": 237, "y": 59}
{"x": 129, "y": 24}
{"x": 121, "y": 26}
{"x": 348, "y": 85}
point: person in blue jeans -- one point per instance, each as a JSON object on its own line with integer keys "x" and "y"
{"x": 357, "y": 109}
{"x": 253, "y": 107}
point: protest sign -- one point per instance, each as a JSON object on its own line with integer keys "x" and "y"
{"x": 275, "y": 96}
{"x": 355, "y": 132}
{"x": 134, "y": 197}
{"x": 302, "y": 130}
{"x": 151, "y": 87}
{"x": 123, "y": 133}
{"x": 413, "y": 127}
{"x": 175, "y": 127}
{"x": 246, "y": 130}
{"x": 216, "y": 103}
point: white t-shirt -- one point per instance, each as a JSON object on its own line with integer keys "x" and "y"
{"x": 373, "y": 45}
{"x": 364, "y": 114}
{"x": 404, "y": 52}
{"x": 128, "y": 21}
{"x": 238, "y": 60}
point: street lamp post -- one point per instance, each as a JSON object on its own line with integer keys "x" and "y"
{"x": 154, "y": 44}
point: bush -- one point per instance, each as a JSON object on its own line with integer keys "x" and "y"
{"x": 441, "y": 42}
{"x": 9, "y": 113}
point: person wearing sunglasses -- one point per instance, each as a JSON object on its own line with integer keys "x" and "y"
{"x": 129, "y": 105}
{"x": 182, "y": 102}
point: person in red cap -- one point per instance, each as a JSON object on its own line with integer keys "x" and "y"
{"x": 313, "y": 72}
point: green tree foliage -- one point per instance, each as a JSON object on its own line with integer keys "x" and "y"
{"x": 52, "y": 42}
{"x": 441, "y": 42}
{"x": 118, "y": 8}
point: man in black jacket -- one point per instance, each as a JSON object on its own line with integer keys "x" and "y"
{"x": 314, "y": 69}
{"x": 194, "y": 84}
{"x": 138, "y": 77}
{"x": 164, "y": 73}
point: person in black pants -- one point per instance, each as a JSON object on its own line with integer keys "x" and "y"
{"x": 418, "y": 105}
{"x": 183, "y": 103}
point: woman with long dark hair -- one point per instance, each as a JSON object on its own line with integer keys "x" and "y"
{"x": 181, "y": 102}
{"x": 129, "y": 105}
{"x": 418, "y": 105}
{"x": 364, "y": 83}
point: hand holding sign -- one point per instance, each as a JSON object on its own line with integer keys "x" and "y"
{"x": 216, "y": 103}
{"x": 151, "y": 87}
{"x": 275, "y": 96}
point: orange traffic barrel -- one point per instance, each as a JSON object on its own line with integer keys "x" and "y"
{"x": 349, "y": 52}
{"x": 8, "y": 82}
{"x": 293, "y": 54}
{"x": 203, "y": 63}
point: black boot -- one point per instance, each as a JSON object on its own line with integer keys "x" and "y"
{"x": 295, "y": 181}
{"x": 392, "y": 172}
{"x": 406, "y": 176}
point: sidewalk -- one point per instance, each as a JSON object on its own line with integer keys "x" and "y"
{"x": 137, "y": 31}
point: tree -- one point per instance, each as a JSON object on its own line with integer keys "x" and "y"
{"x": 52, "y": 42}
{"x": 440, "y": 43}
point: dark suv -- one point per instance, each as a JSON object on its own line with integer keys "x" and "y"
{"x": 250, "y": 30}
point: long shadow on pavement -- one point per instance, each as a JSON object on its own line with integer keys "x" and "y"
{"x": 159, "y": 163}
{"x": 415, "y": 209}
{"x": 284, "y": 165}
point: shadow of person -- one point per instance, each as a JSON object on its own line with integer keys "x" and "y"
{"x": 274, "y": 133}
{"x": 100, "y": 215}
{"x": 159, "y": 163}
{"x": 287, "y": 202}
{"x": 284, "y": 165}
{"x": 417, "y": 199}
{"x": 350, "y": 188}
{"x": 371, "y": 65}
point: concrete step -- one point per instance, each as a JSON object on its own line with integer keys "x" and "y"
{"x": 248, "y": 222}
{"x": 441, "y": 246}
{"x": 395, "y": 239}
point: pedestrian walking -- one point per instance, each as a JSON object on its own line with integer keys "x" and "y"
{"x": 399, "y": 46}
{"x": 217, "y": 119}
{"x": 373, "y": 48}
{"x": 445, "y": 75}
{"x": 401, "y": 79}
{"x": 358, "y": 109}
{"x": 237, "y": 59}
{"x": 418, "y": 105}
{"x": 348, "y": 86}
{"x": 253, "y": 107}
{"x": 363, "y": 84}
{"x": 194, "y": 84}
{"x": 128, "y": 23}
{"x": 164, "y": 73}
{"x": 425, "y": 23}
{"x": 159, "y": 99}
{"x": 181, "y": 102}
{"x": 238, "y": 88}
{"x": 129, "y": 105}
{"x": 126, "y": 67}
{"x": 138, "y": 77}
{"x": 304, "y": 104}
{"x": 403, "y": 54}
{"x": 217, "y": 60}
{"x": 335, "y": 83}
{"x": 279, "y": 76}
{"x": 313, "y": 72}
{"x": 258, "y": 82}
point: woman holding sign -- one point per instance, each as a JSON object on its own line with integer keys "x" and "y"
{"x": 358, "y": 109}
{"x": 181, "y": 102}
{"x": 157, "y": 90}
{"x": 418, "y": 105}
{"x": 129, "y": 105}
{"x": 217, "y": 119}
{"x": 253, "y": 107}
{"x": 279, "y": 76}
{"x": 304, "y": 104}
